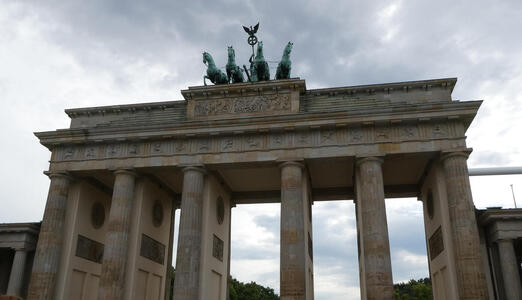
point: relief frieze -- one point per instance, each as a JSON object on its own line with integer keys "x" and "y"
{"x": 383, "y": 134}
{"x": 303, "y": 138}
{"x": 133, "y": 149}
{"x": 312, "y": 137}
{"x": 239, "y": 105}
{"x": 439, "y": 130}
{"x": 228, "y": 144}
{"x": 409, "y": 132}
{"x": 356, "y": 135}
{"x": 328, "y": 137}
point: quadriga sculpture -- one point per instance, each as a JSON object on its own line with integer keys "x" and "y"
{"x": 285, "y": 65}
{"x": 215, "y": 75}
{"x": 234, "y": 73}
{"x": 260, "y": 69}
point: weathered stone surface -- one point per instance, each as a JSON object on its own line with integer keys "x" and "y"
{"x": 16, "y": 277}
{"x": 186, "y": 284}
{"x": 261, "y": 99}
{"x": 376, "y": 273}
{"x": 293, "y": 248}
{"x": 48, "y": 250}
{"x": 386, "y": 136}
{"x": 242, "y": 133}
{"x": 470, "y": 273}
{"x": 112, "y": 279}
{"x": 510, "y": 269}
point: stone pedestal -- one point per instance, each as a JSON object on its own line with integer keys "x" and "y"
{"x": 112, "y": 279}
{"x": 509, "y": 265}
{"x": 16, "y": 277}
{"x": 374, "y": 246}
{"x": 470, "y": 274}
{"x": 49, "y": 248}
{"x": 293, "y": 249}
{"x": 186, "y": 284}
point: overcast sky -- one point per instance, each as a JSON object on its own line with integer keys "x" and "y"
{"x": 66, "y": 54}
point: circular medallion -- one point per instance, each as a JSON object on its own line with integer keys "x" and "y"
{"x": 252, "y": 40}
{"x": 220, "y": 210}
{"x": 97, "y": 215}
{"x": 429, "y": 204}
{"x": 157, "y": 214}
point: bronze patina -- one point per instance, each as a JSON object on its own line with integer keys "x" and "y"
{"x": 259, "y": 69}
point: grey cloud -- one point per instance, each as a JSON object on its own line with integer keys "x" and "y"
{"x": 487, "y": 158}
{"x": 335, "y": 44}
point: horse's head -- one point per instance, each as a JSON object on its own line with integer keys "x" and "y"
{"x": 259, "y": 49}
{"x": 231, "y": 52}
{"x": 206, "y": 57}
{"x": 288, "y": 47}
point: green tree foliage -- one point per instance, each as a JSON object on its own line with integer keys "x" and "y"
{"x": 250, "y": 291}
{"x": 237, "y": 290}
{"x": 413, "y": 290}
{"x": 172, "y": 277}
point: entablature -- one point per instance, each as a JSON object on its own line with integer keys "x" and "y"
{"x": 459, "y": 112}
{"x": 267, "y": 98}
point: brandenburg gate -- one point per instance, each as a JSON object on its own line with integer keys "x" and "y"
{"x": 118, "y": 174}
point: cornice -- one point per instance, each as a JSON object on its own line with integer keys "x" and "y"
{"x": 262, "y": 87}
{"x": 489, "y": 216}
{"x": 386, "y": 87}
{"x": 240, "y": 89}
{"x": 427, "y": 112}
{"x": 117, "y": 109}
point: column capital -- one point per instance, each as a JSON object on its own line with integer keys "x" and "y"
{"x": 362, "y": 159}
{"x": 197, "y": 168}
{"x": 20, "y": 249}
{"x": 463, "y": 152}
{"x": 503, "y": 240}
{"x": 287, "y": 163}
{"x": 131, "y": 172}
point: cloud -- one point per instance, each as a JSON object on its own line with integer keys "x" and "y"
{"x": 64, "y": 54}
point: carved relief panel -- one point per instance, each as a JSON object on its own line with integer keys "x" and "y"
{"x": 261, "y": 141}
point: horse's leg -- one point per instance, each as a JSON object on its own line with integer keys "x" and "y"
{"x": 205, "y": 77}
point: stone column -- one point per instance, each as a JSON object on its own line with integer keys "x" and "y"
{"x": 292, "y": 256}
{"x": 373, "y": 230}
{"x": 112, "y": 278}
{"x": 49, "y": 248}
{"x": 471, "y": 279}
{"x": 509, "y": 265}
{"x": 186, "y": 283}
{"x": 16, "y": 278}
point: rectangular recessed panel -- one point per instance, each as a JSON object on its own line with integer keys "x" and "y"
{"x": 140, "y": 287}
{"x": 217, "y": 248}
{"x": 436, "y": 243}
{"x": 76, "y": 285}
{"x": 152, "y": 249}
{"x": 310, "y": 247}
{"x": 154, "y": 287}
{"x": 91, "y": 289}
{"x": 89, "y": 249}
{"x": 215, "y": 288}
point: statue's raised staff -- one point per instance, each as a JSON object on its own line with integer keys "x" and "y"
{"x": 234, "y": 73}
{"x": 215, "y": 75}
{"x": 285, "y": 65}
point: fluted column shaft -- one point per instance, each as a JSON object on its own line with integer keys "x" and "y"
{"x": 186, "y": 283}
{"x": 50, "y": 240}
{"x": 374, "y": 229}
{"x": 293, "y": 259}
{"x": 509, "y": 265}
{"x": 471, "y": 278}
{"x": 16, "y": 278}
{"x": 112, "y": 278}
